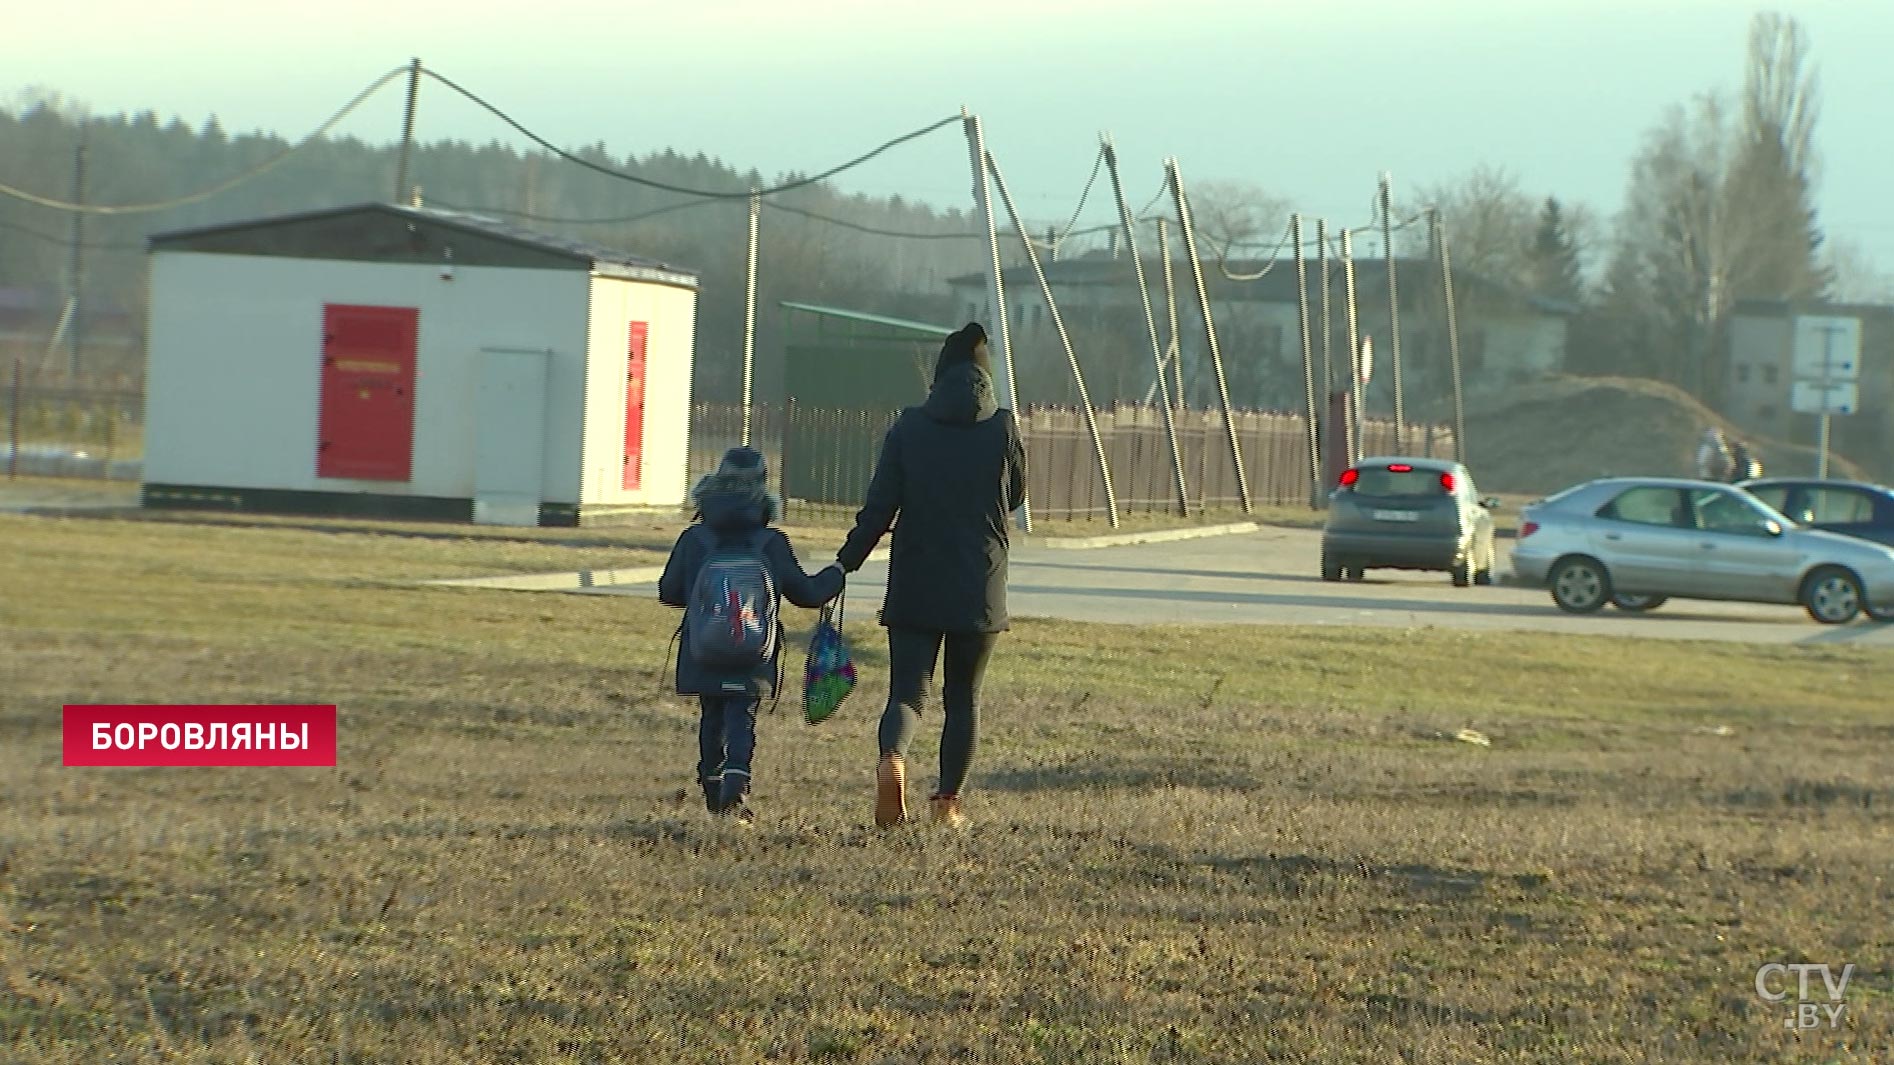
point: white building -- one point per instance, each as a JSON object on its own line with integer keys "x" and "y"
{"x": 407, "y": 361}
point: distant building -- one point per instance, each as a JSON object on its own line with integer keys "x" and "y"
{"x": 1761, "y": 375}
{"x": 1506, "y": 337}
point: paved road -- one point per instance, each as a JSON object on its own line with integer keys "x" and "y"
{"x": 1270, "y": 577}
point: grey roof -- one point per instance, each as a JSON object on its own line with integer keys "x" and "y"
{"x": 871, "y": 319}
{"x": 387, "y": 232}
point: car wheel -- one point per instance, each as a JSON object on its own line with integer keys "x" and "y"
{"x": 1580, "y": 586}
{"x": 1357, "y": 572}
{"x": 1638, "y": 604}
{"x": 1877, "y": 614}
{"x": 1832, "y": 595}
{"x": 1331, "y": 571}
{"x": 1463, "y": 574}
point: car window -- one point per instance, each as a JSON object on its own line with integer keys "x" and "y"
{"x": 1381, "y": 481}
{"x": 1730, "y": 512}
{"x": 1776, "y": 495}
{"x": 1648, "y": 506}
{"x": 1840, "y": 505}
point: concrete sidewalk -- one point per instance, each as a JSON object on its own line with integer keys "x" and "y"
{"x": 606, "y": 578}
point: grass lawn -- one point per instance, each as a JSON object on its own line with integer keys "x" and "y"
{"x": 1189, "y": 843}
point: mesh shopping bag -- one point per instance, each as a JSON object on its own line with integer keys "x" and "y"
{"x": 829, "y": 674}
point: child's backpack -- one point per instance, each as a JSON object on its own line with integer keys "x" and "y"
{"x": 731, "y": 615}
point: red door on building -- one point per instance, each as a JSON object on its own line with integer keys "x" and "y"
{"x": 365, "y": 425}
{"x": 634, "y": 407}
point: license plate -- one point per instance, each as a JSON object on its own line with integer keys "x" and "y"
{"x": 1397, "y": 515}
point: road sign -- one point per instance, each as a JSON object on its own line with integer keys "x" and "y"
{"x": 1826, "y": 348}
{"x": 1816, "y": 397}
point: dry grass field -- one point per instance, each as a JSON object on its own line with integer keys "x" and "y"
{"x": 1189, "y": 844}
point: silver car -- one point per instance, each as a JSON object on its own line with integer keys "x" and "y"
{"x": 1636, "y": 541}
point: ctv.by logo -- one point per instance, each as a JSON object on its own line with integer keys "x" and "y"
{"x": 1771, "y": 984}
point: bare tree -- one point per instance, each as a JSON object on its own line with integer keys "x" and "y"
{"x": 1231, "y": 213}
{"x": 1492, "y": 220}
{"x": 1854, "y": 276}
{"x": 1718, "y": 209}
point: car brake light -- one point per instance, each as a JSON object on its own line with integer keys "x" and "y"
{"x": 1349, "y": 477}
{"x": 1400, "y": 467}
{"x": 1527, "y": 528}
{"x": 1446, "y": 481}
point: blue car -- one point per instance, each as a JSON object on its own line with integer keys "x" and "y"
{"x": 1851, "y": 508}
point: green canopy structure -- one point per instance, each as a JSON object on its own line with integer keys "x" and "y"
{"x": 847, "y": 375}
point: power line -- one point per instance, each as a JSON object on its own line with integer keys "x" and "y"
{"x": 650, "y": 183}
{"x": 181, "y": 201}
{"x": 67, "y": 241}
{"x": 1223, "y": 258}
{"x": 859, "y": 228}
{"x": 1097, "y": 161}
{"x": 614, "y": 220}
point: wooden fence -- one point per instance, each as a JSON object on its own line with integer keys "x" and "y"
{"x": 824, "y": 458}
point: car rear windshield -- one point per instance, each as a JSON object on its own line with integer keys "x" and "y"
{"x": 1381, "y": 481}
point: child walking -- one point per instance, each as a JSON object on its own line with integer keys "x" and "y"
{"x": 727, "y": 571}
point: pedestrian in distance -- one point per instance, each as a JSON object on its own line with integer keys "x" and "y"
{"x": 729, "y": 571}
{"x": 1713, "y": 456}
{"x": 1743, "y": 465}
{"x": 950, "y": 472}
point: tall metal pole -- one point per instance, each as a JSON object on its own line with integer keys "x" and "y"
{"x": 1065, "y": 341}
{"x": 749, "y": 314}
{"x": 1173, "y": 355}
{"x": 1308, "y": 361}
{"x": 78, "y": 261}
{"x": 407, "y": 132}
{"x": 1453, "y": 335}
{"x": 1328, "y": 318}
{"x": 1354, "y": 343}
{"x": 1210, "y": 330}
{"x": 983, "y": 207}
{"x": 1394, "y": 310}
{"x": 1150, "y": 324}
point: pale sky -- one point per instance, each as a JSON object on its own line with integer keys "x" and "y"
{"x": 1311, "y": 100}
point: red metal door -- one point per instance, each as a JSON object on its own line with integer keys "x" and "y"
{"x": 634, "y": 407}
{"x": 365, "y": 427}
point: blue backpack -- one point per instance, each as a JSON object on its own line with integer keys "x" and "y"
{"x": 731, "y": 617}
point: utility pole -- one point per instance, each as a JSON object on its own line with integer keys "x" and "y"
{"x": 749, "y": 314}
{"x": 1394, "y": 310}
{"x": 1210, "y": 331}
{"x": 1308, "y": 361}
{"x": 1328, "y": 318}
{"x": 1150, "y": 322}
{"x": 1354, "y": 341}
{"x": 1065, "y": 341}
{"x": 1439, "y": 230}
{"x": 77, "y": 291}
{"x": 1173, "y": 354}
{"x": 407, "y": 132}
{"x": 983, "y": 211}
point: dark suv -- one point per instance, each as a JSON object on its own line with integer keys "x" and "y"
{"x": 1404, "y": 513}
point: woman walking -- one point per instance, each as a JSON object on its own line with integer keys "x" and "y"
{"x": 951, "y": 471}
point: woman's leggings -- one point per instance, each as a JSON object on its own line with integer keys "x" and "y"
{"x": 912, "y": 654}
